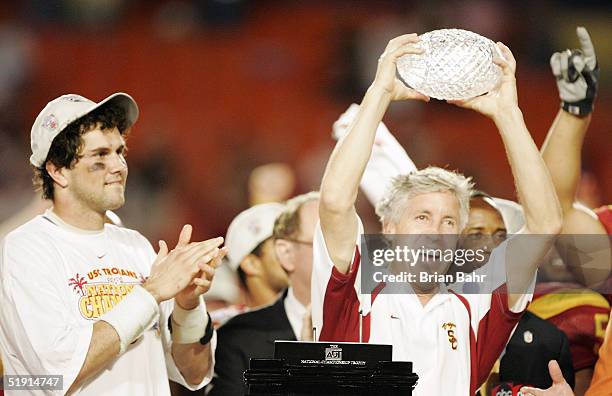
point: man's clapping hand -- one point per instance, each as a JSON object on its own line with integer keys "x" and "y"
{"x": 185, "y": 272}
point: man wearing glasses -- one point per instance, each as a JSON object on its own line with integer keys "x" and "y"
{"x": 252, "y": 334}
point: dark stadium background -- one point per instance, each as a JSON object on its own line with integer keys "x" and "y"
{"x": 224, "y": 86}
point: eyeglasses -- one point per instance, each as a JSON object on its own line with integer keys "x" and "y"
{"x": 299, "y": 242}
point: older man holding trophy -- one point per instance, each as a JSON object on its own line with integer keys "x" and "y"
{"x": 452, "y": 339}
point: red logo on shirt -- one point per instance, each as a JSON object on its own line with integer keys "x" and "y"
{"x": 78, "y": 282}
{"x": 449, "y": 327}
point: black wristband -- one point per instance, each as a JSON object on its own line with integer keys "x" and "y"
{"x": 581, "y": 108}
{"x": 208, "y": 333}
{"x": 585, "y": 106}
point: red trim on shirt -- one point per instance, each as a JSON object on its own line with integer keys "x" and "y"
{"x": 341, "y": 306}
{"x": 493, "y": 335}
{"x": 341, "y": 321}
{"x": 604, "y": 214}
{"x": 473, "y": 351}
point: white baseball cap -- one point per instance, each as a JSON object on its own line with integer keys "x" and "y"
{"x": 60, "y": 112}
{"x": 250, "y": 228}
{"x": 511, "y": 212}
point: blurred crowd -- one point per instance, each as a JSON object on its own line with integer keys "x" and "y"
{"x": 237, "y": 84}
{"x": 237, "y": 102}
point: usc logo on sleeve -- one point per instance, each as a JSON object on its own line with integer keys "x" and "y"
{"x": 449, "y": 327}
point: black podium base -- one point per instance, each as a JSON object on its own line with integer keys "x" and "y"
{"x": 319, "y": 369}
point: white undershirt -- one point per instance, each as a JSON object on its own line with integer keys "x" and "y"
{"x": 295, "y": 312}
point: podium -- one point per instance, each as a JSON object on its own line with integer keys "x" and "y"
{"x": 323, "y": 368}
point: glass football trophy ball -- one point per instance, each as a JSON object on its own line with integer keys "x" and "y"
{"x": 456, "y": 64}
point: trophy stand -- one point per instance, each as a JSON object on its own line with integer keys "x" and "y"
{"x": 321, "y": 368}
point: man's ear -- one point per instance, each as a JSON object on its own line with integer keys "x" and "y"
{"x": 284, "y": 254}
{"x": 251, "y": 265}
{"x": 389, "y": 227}
{"x": 57, "y": 174}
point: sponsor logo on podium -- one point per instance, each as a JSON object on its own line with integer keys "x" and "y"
{"x": 333, "y": 353}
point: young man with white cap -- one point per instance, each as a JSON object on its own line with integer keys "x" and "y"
{"x": 251, "y": 253}
{"x": 91, "y": 302}
{"x": 252, "y": 334}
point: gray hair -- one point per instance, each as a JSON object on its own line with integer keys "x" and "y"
{"x": 287, "y": 224}
{"x": 429, "y": 180}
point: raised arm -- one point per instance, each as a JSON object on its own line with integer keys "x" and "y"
{"x": 561, "y": 152}
{"x": 388, "y": 158}
{"x": 535, "y": 189}
{"x": 577, "y": 75}
{"x": 350, "y": 156}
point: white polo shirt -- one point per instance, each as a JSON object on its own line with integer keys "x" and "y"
{"x": 453, "y": 341}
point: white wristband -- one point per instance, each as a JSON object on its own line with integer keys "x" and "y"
{"x": 132, "y": 316}
{"x": 189, "y": 326}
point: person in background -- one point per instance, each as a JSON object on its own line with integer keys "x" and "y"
{"x": 252, "y": 260}
{"x": 577, "y": 75}
{"x": 252, "y": 334}
{"x": 601, "y": 384}
{"x": 274, "y": 182}
{"x": 251, "y": 254}
{"x": 535, "y": 341}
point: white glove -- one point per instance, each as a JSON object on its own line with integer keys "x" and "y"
{"x": 388, "y": 158}
{"x": 577, "y": 75}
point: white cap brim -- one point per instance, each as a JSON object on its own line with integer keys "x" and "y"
{"x": 41, "y": 141}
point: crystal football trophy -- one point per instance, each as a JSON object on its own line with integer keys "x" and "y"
{"x": 456, "y": 64}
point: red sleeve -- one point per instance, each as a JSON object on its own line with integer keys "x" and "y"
{"x": 494, "y": 331}
{"x": 341, "y": 307}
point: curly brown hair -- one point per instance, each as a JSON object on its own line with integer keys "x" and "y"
{"x": 67, "y": 145}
